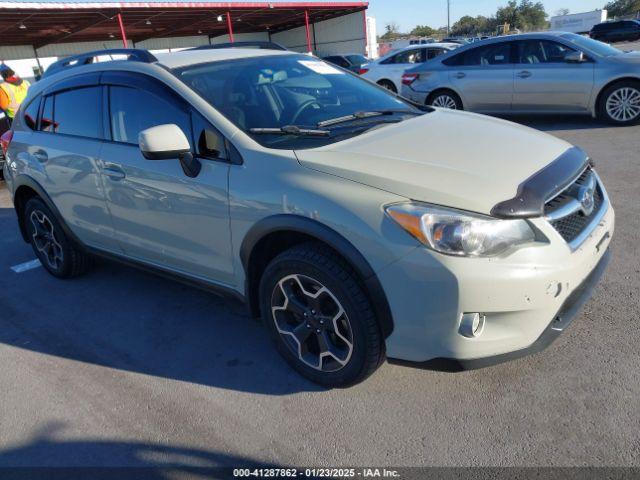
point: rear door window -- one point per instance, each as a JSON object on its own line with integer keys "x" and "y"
{"x": 497, "y": 54}
{"x": 77, "y": 112}
{"x": 408, "y": 56}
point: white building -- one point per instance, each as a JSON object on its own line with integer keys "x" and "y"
{"x": 372, "y": 38}
{"x": 578, "y": 22}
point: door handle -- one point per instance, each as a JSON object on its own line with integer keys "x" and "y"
{"x": 114, "y": 172}
{"x": 460, "y": 75}
{"x": 41, "y": 156}
{"x": 525, "y": 74}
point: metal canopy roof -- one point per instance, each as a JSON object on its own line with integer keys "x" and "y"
{"x": 44, "y": 23}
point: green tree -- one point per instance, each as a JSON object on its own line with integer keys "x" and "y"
{"x": 392, "y": 31}
{"x": 468, "y": 26}
{"x": 620, "y": 8}
{"x": 423, "y": 31}
{"x": 562, "y": 11}
{"x": 525, "y": 16}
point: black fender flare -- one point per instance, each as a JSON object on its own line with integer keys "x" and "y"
{"x": 24, "y": 180}
{"x": 327, "y": 235}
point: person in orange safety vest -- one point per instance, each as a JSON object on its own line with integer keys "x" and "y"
{"x": 13, "y": 91}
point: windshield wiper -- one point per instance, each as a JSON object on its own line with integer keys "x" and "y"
{"x": 291, "y": 130}
{"x": 361, "y": 115}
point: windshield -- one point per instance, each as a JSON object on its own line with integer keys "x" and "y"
{"x": 594, "y": 46}
{"x": 262, "y": 95}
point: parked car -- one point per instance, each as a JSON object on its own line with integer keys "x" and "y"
{"x": 352, "y": 62}
{"x": 355, "y": 224}
{"x": 618, "y": 31}
{"x": 457, "y": 40}
{"x": 559, "y": 73}
{"x": 387, "y": 71}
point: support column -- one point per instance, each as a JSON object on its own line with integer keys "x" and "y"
{"x": 366, "y": 33}
{"x": 230, "y": 27}
{"x": 306, "y": 24}
{"x": 35, "y": 54}
{"x": 122, "y": 32}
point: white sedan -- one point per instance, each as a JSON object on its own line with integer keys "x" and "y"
{"x": 387, "y": 71}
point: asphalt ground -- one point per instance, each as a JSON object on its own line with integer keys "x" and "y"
{"x": 122, "y": 368}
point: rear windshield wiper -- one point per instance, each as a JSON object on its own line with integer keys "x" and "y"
{"x": 361, "y": 115}
{"x": 291, "y": 130}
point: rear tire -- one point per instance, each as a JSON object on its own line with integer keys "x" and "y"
{"x": 389, "y": 85}
{"x": 58, "y": 255}
{"x": 620, "y": 103}
{"x": 319, "y": 316}
{"x": 446, "y": 99}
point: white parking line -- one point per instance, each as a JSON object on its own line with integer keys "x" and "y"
{"x": 23, "y": 267}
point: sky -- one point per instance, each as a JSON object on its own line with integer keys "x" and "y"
{"x": 409, "y": 13}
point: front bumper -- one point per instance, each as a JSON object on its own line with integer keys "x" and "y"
{"x": 520, "y": 296}
{"x": 569, "y": 310}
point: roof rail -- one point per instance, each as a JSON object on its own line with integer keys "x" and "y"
{"x": 257, "y": 44}
{"x": 133, "y": 55}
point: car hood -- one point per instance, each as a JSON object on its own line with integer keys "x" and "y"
{"x": 457, "y": 159}
{"x": 629, "y": 57}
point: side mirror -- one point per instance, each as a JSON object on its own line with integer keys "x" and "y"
{"x": 164, "y": 142}
{"x": 168, "y": 142}
{"x": 575, "y": 57}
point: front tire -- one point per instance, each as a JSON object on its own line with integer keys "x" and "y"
{"x": 319, "y": 316}
{"x": 58, "y": 255}
{"x": 620, "y": 104}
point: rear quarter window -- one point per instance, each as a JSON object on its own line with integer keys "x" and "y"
{"x": 31, "y": 113}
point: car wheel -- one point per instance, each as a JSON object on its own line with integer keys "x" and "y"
{"x": 55, "y": 251}
{"x": 620, "y": 103}
{"x": 446, "y": 99}
{"x": 388, "y": 85}
{"x": 319, "y": 317}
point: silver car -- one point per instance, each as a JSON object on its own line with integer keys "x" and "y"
{"x": 357, "y": 226}
{"x": 532, "y": 73}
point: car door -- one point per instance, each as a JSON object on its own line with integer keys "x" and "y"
{"x": 484, "y": 77}
{"x": 546, "y": 82}
{"x": 162, "y": 216}
{"x": 615, "y": 32}
{"x": 63, "y": 150}
{"x": 394, "y": 67}
{"x": 631, "y": 30}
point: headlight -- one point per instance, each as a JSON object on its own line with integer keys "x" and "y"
{"x": 460, "y": 233}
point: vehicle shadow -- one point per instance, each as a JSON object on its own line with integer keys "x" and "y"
{"x": 127, "y": 319}
{"x": 47, "y": 457}
{"x": 554, "y": 123}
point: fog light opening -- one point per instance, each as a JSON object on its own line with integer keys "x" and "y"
{"x": 471, "y": 325}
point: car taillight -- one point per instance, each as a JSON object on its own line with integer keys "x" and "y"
{"x": 362, "y": 71}
{"x": 5, "y": 140}
{"x": 409, "y": 78}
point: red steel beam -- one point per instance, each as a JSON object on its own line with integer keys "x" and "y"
{"x": 306, "y": 26}
{"x": 122, "y": 32}
{"x": 230, "y": 26}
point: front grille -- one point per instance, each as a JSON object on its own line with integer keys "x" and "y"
{"x": 571, "y": 225}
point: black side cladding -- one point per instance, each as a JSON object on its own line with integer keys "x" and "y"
{"x": 532, "y": 194}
